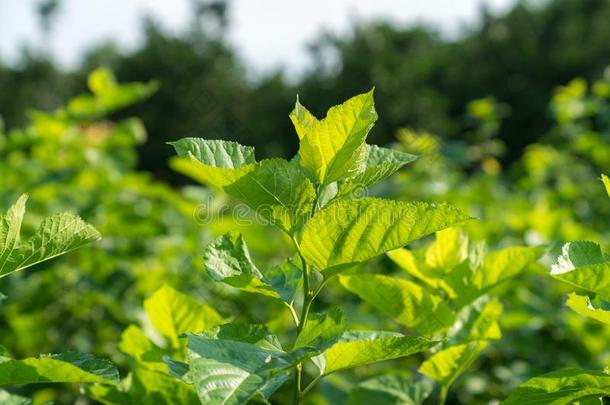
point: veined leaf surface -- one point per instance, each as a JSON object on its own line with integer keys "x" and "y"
{"x": 403, "y": 300}
{"x": 213, "y": 162}
{"x": 56, "y": 235}
{"x": 69, "y": 367}
{"x": 380, "y": 163}
{"x": 333, "y": 148}
{"x": 561, "y": 387}
{"x": 583, "y": 265}
{"x": 173, "y": 313}
{"x": 359, "y": 348}
{"x": 355, "y": 231}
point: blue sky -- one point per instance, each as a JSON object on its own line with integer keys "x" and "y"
{"x": 267, "y": 33}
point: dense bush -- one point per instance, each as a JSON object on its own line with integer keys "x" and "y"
{"x": 289, "y": 282}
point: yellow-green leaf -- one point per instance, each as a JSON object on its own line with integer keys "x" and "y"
{"x": 333, "y": 148}
{"x": 173, "y": 313}
{"x": 354, "y": 231}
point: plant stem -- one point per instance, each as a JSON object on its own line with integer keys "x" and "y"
{"x": 308, "y": 297}
{"x": 443, "y": 395}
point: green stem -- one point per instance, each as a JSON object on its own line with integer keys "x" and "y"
{"x": 443, "y": 395}
{"x": 308, "y": 297}
{"x": 310, "y": 386}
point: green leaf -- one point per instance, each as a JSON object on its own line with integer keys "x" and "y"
{"x": 583, "y": 306}
{"x": 447, "y": 365}
{"x": 302, "y": 119}
{"x": 445, "y": 266}
{"x": 58, "y": 368}
{"x": 56, "y": 235}
{"x": 6, "y": 398}
{"x": 407, "y": 261}
{"x": 244, "y": 332}
{"x": 108, "y": 95}
{"x": 354, "y": 231}
{"x": 135, "y": 344}
{"x": 469, "y": 281}
{"x": 228, "y": 372}
{"x": 228, "y": 260}
{"x": 333, "y": 148}
{"x": 380, "y": 163}
{"x": 391, "y": 389}
{"x": 449, "y": 249}
{"x": 606, "y": 182}
{"x": 478, "y": 321}
{"x": 404, "y": 301}
{"x": 583, "y": 265}
{"x": 213, "y": 162}
{"x": 359, "y": 348}
{"x": 322, "y": 329}
{"x": 173, "y": 313}
{"x": 561, "y": 387}
{"x": 145, "y": 387}
{"x": 276, "y": 190}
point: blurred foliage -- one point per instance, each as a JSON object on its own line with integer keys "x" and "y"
{"x": 423, "y": 80}
{"x": 495, "y": 135}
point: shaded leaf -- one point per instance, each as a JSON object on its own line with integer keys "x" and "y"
{"x": 227, "y": 372}
{"x": 391, "y": 389}
{"x": 277, "y": 191}
{"x": 228, "y": 260}
{"x": 6, "y": 398}
{"x": 322, "y": 329}
{"x": 145, "y": 387}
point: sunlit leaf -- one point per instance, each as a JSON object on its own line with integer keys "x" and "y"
{"x": 355, "y": 231}
{"x": 583, "y": 305}
{"x": 213, "y": 162}
{"x": 450, "y": 248}
{"x": 302, "y": 119}
{"x": 333, "y": 148}
{"x": 583, "y": 265}
{"x": 447, "y": 365}
{"x": 561, "y": 387}
{"x": 56, "y": 235}
{"x": 173, "y": 313}
{"x": 359, "y": 348}
{"x": 135, "y": 344}
{"x": 380, "y": 163}
{"x": 403, "y": 300}
{"x": 69, "y": 367}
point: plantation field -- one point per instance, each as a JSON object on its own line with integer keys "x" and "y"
{"x": 425, "y": 271}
